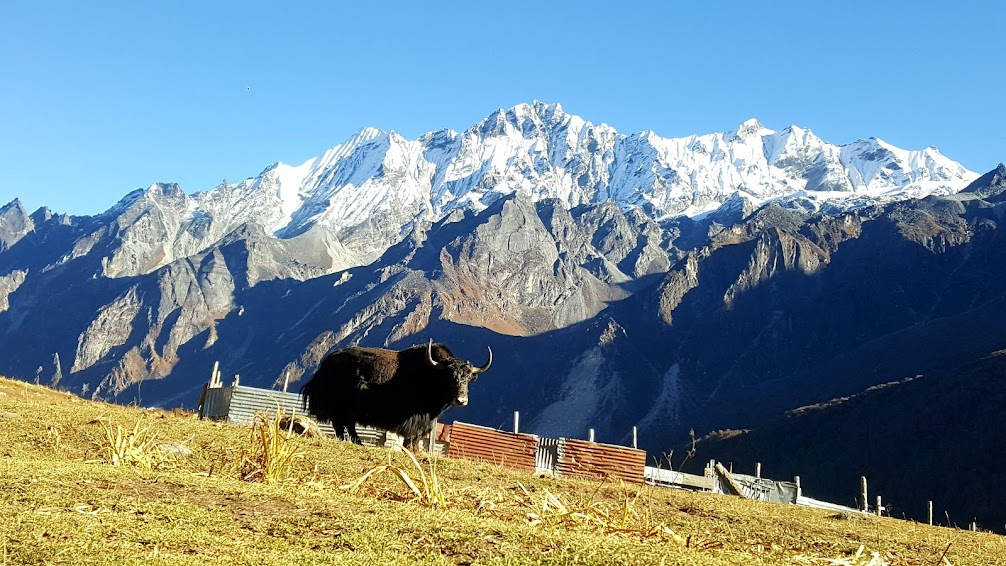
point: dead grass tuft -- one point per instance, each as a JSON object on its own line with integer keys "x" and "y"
{"x": 136, "y": 446}
{"x": 859, "y": 558}
{"x": 430, "y": 495}
{"x": 599, "y": 514}
{"x": 272, "y": 450}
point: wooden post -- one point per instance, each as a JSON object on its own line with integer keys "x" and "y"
{"x": 880, "y": 508}
{"x": 862, "y": 495}
{"x": 516, "y": 422}
{"x": 635, "y": 438}
{"x": 757, "y": 469}
{"x": 590, "y": 435}
{"x": 433, "y": 437}
{"x": 213, "y": 375}
{"x": 286, "y": 380}
{"x": 799, "y": 490}
{"x": 930, "y": 514}
{"x": 237, "y": 379}
{"x": 729, "y": 480}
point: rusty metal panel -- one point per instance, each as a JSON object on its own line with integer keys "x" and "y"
{"x": 580, "y": 458}
{"x": 506, "y": 449}
{"x": 443, "y": 433}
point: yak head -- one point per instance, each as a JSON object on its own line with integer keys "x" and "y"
{"x": 461, "y": 373}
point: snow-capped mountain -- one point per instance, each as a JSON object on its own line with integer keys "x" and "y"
{"x": 364, "y": 195}
{"x": 621, "y": 280}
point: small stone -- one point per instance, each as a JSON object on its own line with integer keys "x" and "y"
{"x": 175, "y": 449}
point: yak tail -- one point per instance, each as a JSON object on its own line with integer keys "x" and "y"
{"x": 306, "y": 391}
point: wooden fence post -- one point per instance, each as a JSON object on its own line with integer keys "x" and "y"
{"x": 286, "y": 380}
{"x": 433, "y": 437}
{"x": 516, "y": 422}
{"x": 590, "y": 435}
{"x": 213, "y": 375}
{"x": 930, "y": 514}
{"x": 729, "y": 480}
{"x": 635, "y": 438}
{"x": 880, "y": 508}
{"x": 237, "y": 379}
{"x": 862, "y": 495}
{"x": 799, "y": 490}
{"x": 757, "y": 469}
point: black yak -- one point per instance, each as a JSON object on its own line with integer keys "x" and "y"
{"x": 399, "y": 391}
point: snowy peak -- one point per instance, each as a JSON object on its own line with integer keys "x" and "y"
{"x": 750, "y": 128}
{"x": 878, "y": 167}
{"x": 370, "y": 191}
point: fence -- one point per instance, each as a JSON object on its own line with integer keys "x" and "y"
{"x": 508, "y": 449}
{"x": 546, "y": 455}
{"x": 670, "y": 478}
{"x": 580, "y": 458}
{"x": 526, "y": 452}
{"x": 238, "y": 404}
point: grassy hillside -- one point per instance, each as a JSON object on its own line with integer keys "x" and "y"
{"x": 63, "y": 500}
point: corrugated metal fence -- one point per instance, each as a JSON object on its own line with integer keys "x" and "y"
{"x": 581, "y": 458}
{"x": 526, "y": 452}
{"x": 239, "y": 404}
{"x": 507, "y": 449}
{"x": 546, "y": 455}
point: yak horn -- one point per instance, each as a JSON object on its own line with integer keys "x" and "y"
{"x": 489, "y": 363}
{"x": 429, "y": 353}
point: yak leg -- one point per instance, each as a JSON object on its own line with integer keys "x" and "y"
{"x": 353, "y": 436}
{"x": 416, "y": 444}
{"x": 344, "y": 431}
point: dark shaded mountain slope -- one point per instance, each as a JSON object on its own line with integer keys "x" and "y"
{"x": 934, "y": 437}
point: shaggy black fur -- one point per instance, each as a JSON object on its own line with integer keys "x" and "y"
{"x": 398, "y": 391}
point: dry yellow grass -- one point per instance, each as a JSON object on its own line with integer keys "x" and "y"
{"x": 63, "y": 502}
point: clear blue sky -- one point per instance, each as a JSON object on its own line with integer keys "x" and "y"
{"x": 100, "y": 98}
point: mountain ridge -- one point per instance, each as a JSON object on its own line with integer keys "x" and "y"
{"x": 365, "y": 194}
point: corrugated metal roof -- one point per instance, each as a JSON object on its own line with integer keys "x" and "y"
{"x": 506, "y": 449}
{"x": 581, "y": 458}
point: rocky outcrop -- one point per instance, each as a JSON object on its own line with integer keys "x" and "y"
{"x": 8, "y": 284}
{"x": 990, "y": 186}
{"x": 14, "y": 224}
